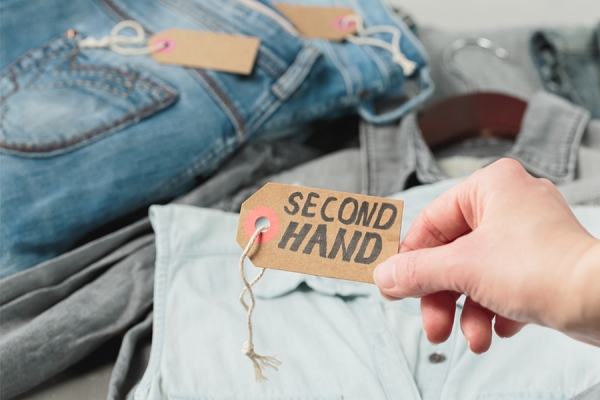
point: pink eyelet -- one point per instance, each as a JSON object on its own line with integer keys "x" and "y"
{"x": 169, "y": 45}
{"x": 341, "y": 24}
{"x": 262, "y": 212}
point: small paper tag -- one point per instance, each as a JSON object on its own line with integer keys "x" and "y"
{"x": 210, "y": 50}
{"x": 319, "y": 22}
{"x": 321, "y": 232}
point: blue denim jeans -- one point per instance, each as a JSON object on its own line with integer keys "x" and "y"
{"x": 88, "y": 135}
{"x": 568, "y": 61}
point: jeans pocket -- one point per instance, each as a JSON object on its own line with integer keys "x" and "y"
{"x": 57, "y": 98}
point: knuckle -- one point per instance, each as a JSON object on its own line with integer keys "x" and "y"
{"x": 509, "y": 167}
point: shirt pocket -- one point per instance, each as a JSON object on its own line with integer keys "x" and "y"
{"x": 57, "y": 98}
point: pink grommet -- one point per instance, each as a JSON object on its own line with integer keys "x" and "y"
{"x": 169, "y": 45}
{"x": 254, "y": 215}
{"x": 342, "y": 23}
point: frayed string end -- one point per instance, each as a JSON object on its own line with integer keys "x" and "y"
{"x": 260, "y": 362}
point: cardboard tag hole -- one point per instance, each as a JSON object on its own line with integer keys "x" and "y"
{"x": 343, "y": 25}
{"x": 168, "y": 45}
{"x": 263, "y": 221}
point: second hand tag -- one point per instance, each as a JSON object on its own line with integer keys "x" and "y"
{"x": 319, "y": 22}
{"x": 210, "y": 50}
{"x": 321, "y": 232}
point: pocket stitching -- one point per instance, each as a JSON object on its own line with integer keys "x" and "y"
{"x": 134, "y": 79}
{"x": 47, "y": 147}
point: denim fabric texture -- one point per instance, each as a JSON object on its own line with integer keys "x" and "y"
{"x": 336, "y": 339}
{"x": 516, "y": 75}
{"x": 88, "y": 135}
{"x": 568, "y": 62}
{"x": 89, "y": 295}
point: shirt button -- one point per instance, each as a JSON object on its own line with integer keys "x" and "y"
{"x": 437, "y": 357}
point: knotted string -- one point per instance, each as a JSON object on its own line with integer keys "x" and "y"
{"x": 362, "y": 38}
{"x": 260, "y": 362}
{"x": 114, "y": 41}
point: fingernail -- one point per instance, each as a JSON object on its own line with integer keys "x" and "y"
{"x": 385, "y": 274}
{"x": 472, "y": 351}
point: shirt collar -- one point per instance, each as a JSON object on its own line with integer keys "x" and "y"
{"x": 547, "y": 146}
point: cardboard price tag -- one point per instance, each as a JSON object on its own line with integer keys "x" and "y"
{"x": 321, "y": 232}
{"x": 210, "y": 50}
{"x": 319, "y": 22}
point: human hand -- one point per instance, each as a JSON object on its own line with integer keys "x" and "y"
{"x": 510, "y": 243}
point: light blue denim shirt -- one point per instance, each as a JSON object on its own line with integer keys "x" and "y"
{"x": 336, "y": 339}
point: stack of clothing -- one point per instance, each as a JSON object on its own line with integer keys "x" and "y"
{"x": 120, "y": 180}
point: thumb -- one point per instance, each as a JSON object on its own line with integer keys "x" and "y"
{"x": 420, "y": 272}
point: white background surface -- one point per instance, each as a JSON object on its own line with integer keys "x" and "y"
{"x": 459, "y": 15}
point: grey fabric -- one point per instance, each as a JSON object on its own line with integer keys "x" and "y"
{"x": 516, "y": 75}
{"x": 55, "y": 314}
{"x": 550, "y": 136}
{"x": 54, "y": 271}
{"x": 132, "y": 360}
{"x": 547, "y": 146}
{"x": 592, "y": 393}
{"x": 568, "y": 60}
{"x": 71, "y": 329}
{"x": 391, "y": 154}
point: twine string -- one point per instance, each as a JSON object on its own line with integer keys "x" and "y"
{"x": 260, "y": 362}
{"x": 363, "y": 37}
{"x": 124, "y": 45}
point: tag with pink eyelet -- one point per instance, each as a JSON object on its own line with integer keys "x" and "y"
{"x": 209, "y": 50}
{"x": 319, "y": 22}
{"x": 319, "y": 232}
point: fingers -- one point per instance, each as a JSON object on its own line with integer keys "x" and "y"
{"x": 439, "y": 223}
{"x": 506, "y": 328}
{"x": 425, "y": 271}
{"x": 438, "y": 311}
{"x": 476, "y": 324}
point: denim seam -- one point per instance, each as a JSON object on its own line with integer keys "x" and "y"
{"x": 296, "y": 73}
{"x": 116, "y": 10}
{"x": 42, "y": 66}
{"x": 351, "y": 69}
{"x": 10, "y": 70}
{"x": 226, "y": 104}
{"x": 364, "y": 157}
{"x": 138, "y": 113}
{"x": 83, "y": 83}
{"x": 345, "y": 75}
{"x": 561, "y": 170}
{"x": 372, "y": 176}
{"x": 381, "y": 65}
{"x": 69, "y": 143}
{"x": 129, "y": 83}
{"x": 205, "y": 80}
{"x": 95, "y": 74}
{"x": 559, "y": 68}
{"x": 266, "y": 114}
{"x": 91, "y": 70}
{"x": 212, "y": 156}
